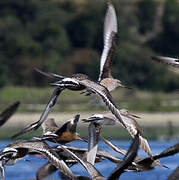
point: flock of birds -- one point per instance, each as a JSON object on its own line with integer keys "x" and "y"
{"x": 61, "y": 157}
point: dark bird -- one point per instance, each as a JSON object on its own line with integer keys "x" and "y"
{"x": 66, "y": 133}
{"x": 141, "y": 163}
{"x": 94, "y": 129}
{"x": 16, "y": 150}
{"x": 167, "y": 60}
{"x": 46, "y": 170}
{"x": 174, "y": 175}
{"x": 96, "y": 175}
{"x": 148, "y": 163}
{"x": 127, "y": 160}
{"x": 93, "y": 139}
{"x": 76, "y": 82}
{"x": 8, "y": 112}
{"x": 131, "y": 126}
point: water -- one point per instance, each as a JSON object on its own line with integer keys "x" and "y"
{"x": 24, "y": 170}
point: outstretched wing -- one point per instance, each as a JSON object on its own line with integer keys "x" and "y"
{"x": 110, "y": 36}
{"x": 93, "y": 139}
{"x": 133, "y": 127}
{"x": 46, "y": 170}
{"x": 106, "y": 97}
{"x": 44, "y": 115}
{"x": 167, "y": 60}
{"x": 128, "y": 159}
{"x": 174, "y": 175}
{"x": 8, "y": 112}
{"x": 89, "y": 167}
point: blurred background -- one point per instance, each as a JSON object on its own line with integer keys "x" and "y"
{"x": 66, "y": 37}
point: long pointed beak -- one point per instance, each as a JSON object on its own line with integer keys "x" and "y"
{"x": 90, "y": 119}
{"x": 135, "y": 116}
{"x": 80, "y": 139}
{"x": 162, "y": 165}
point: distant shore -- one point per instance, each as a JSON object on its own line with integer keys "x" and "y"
{"x": 147, "y": 119}
{"x": 155, "y": 125}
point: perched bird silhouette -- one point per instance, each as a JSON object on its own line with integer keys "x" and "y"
{"x": 66, "y": 133}
{"x": 167, "y": 60}
{"x": 8, "y": 112}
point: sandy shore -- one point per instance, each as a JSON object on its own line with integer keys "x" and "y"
{"x": 147, "y": 119}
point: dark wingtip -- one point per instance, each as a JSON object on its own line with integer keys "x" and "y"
{"x": 77, "y": 116}
{"x": 33, "y": 126}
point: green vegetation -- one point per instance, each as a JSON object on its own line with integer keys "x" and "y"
{"x": 66, "y": 36}
{"x": 34, "y": 99}
{"x": 108, "y": 132}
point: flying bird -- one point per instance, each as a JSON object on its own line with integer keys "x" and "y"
{"x": 131, "y": 126}
{"x": 110, "y": 37}
{"x": 127, "y": 160}
{"x": 174, "y": 175}
{"x": 16, "y": 150}
{"x": 77, "y": 82}
{"x": 66, "y": 133}
{"x": 167, "y": 60}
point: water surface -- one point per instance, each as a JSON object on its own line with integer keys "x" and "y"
{"x": 24, "y": 170}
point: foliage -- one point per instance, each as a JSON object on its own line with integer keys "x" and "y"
{"x": 66, "y": 37}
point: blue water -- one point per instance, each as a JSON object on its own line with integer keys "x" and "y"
{"x": 24, "y": 170}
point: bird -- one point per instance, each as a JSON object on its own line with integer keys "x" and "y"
{"x": 66, "y": 133}
{"x": 167, "y": 60}
{"x": 77, "y": 82}
{"x": 131, "y": 126}
{"x": 148, "y": 163}
{"x": 110, "y": 30}
{"x": 11, "y": 153}
{"x": 127, "y": 160}
{"x": 95, "y": 174}
{"x": 100, "y": 119}
{"x": 93, "y": 139}
{"x": 46, "y": 170}
{"x": 8, "y": 112}
{"x": 109, "y": 37}
{"x": 94, "y": 129}
{"x": 174, "y": 175}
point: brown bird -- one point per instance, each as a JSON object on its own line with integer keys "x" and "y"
{"x": 8, "y": 112}
{"x": 131, "y": 126}
{"x": 66, "y": 133}
{"x": 96, "y": 175}
{"x": 10, "y": 154}
{"x": 174, "y": 175}
{"x": 141, "y": 163}
{"x": 127, "y": 160}
{"x": 167, "y": 60}
{"x": 76, "y": 82}
{"x": 110, "y": 37}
